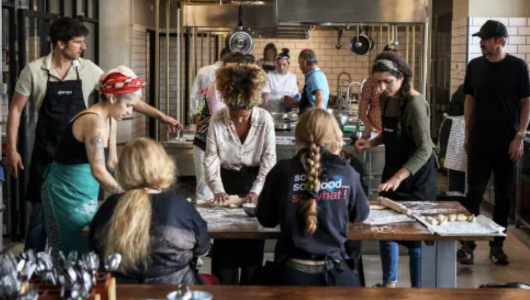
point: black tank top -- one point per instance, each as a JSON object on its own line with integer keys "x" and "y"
{"x": 73, "y": 152}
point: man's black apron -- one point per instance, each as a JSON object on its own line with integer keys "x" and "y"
{"x": 399, "y": 147}
{"x": 62, "y": 101}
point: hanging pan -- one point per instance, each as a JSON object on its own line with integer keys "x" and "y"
{"x": 360, "y": 44}
{"x": 240, "y": 41}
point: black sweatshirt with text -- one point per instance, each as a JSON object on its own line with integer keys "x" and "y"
{"x": 340, "y": 200}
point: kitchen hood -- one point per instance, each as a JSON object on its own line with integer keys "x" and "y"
{"x": 257, "y": 19}
{"x": 337, "y": 12}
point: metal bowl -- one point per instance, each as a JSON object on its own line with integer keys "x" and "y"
{"x": 193, "y": 295}
{"x": 342, "y": 119}
{"x": 250, "y": 209}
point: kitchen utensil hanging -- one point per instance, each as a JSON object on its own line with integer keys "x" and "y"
{"x": 240, "y": 41}
{"x": 360, "y": 44}
{"x": 338, "y": 46}
{"x": 394, "y": 41}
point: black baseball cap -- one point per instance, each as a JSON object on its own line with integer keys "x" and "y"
{"x": 492, "y": 29}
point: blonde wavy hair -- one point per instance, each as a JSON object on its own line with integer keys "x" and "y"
{"x": 240, "y": 84}
{"x": 316, "y": 129}
{"x": 143, "y": 164}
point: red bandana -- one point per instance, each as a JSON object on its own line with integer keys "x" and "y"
{"x": 117, "y": 83}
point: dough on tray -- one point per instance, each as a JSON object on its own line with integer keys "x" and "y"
{"x": 233, "y": 202}
{"x": 452, "y": 218}
{"x": 461, "y": 218}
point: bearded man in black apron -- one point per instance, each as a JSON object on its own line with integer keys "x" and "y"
{"x": 316, "y": 87}
{"x": 59, "y": 86}
{"x": 409, "y": 172}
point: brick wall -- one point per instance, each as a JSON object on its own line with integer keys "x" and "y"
{"x": 459, "y": 44}
{"x": 334, "y": 61}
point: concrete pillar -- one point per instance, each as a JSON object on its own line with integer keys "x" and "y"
{"x": 115, "y": 33}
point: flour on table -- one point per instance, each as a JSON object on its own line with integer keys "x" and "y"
{"x": 227, "y": 219}
{"x": 381, "y": 217}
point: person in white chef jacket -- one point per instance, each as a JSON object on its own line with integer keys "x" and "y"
{"x": 282, "y": 83}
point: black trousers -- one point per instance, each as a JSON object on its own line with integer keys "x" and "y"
{"x": 230, "y": 255}
{"x": 457, "y": 181}
{"x": 481, "y": 164}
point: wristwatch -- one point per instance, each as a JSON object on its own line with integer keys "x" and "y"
{"x": 520, "y": 134}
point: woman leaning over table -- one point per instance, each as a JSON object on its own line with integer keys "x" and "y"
{"x": 159, "y": 234}
{"x": 409, "y": 172}
{"x": 313, "y": 197}
{"x": 240, "y": 151}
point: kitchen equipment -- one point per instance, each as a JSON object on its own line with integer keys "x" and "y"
{"x": 340, "y": 35}
{"x": 113, "y": 262}
{"x": 394, "y": 41}
{"x": 250, "y": 209}
{"x": 240, "y": 41}
{"x": 360, "y": 44}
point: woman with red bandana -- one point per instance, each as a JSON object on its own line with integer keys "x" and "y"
{"x": 85, "y": 159}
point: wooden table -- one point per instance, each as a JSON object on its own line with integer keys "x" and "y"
{"x": 438, "y": 252}
{"x": 134, "y": 292}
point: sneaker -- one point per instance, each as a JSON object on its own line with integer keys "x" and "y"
{"x": 465, "y": 255}
{"x": 498, "y": 257}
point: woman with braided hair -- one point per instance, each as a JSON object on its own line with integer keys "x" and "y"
{"x": 409, "y": 172}
{"x": 313, "y": 197}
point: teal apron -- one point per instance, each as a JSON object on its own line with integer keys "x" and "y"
{"x": 73, "y": 193}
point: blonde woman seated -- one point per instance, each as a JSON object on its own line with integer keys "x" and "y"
{"x": 158, "y": 234}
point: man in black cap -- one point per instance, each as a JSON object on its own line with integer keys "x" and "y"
{"x": 497, "y": 111}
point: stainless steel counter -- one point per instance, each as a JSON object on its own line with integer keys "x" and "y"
{"x": 373, "y": 160}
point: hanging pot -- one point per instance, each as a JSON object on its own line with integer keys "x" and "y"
{"x": 240, "y": 41}
{"x": 360, "y": 44}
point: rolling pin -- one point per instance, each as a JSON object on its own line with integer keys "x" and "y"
{"x": 400, "y": 208}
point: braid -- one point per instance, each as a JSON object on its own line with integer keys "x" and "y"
{"x": 309, "y": 207}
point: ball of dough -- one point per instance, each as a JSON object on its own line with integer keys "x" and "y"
{"x": 433, "y": 221}
{"x": 443, "y": 222}
{"x": 461, "y": 218}
{"x": 441, "y": 218}
{"x": 188, "y": 199}
{"x": 472, "y": 218}
{"x": 452, "y": 218}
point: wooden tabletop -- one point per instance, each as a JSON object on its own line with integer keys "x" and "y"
{"x": 225, "y": 223}
{"x": 133, "y": 292}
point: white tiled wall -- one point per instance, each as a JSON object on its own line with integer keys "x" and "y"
{"x": 459, "y": 44}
